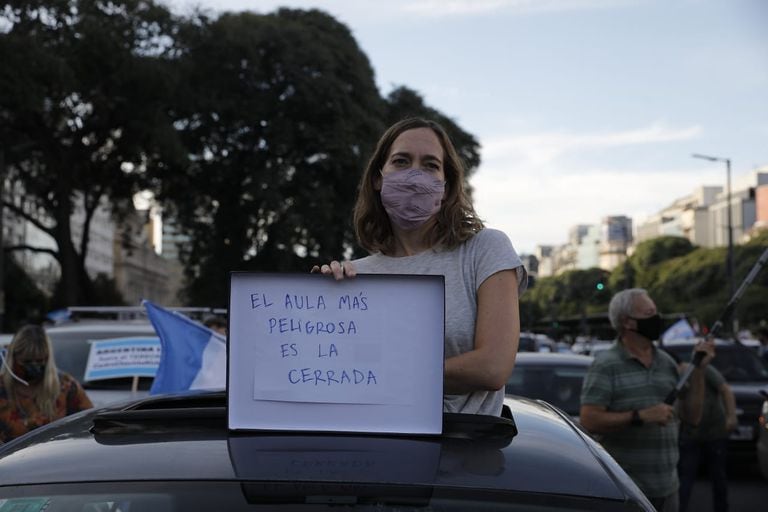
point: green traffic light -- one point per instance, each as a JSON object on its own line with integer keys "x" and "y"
{"x": 600, "y": 286}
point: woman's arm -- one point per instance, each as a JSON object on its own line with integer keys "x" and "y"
{"x": 497, "y": 334}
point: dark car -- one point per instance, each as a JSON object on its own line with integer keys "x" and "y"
{"x": 532, "y": 342}
{"x": 174, "y": 453}
{"x": 762, "y": 438}
{"x": 553, "y": 377}
{"x": 747, "y": 375}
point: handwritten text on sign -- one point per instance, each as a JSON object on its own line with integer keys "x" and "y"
{"x": 321, "y": 342}
{"x": 310, "y": 339}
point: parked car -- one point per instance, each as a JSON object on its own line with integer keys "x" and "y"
{"x": 533, "y": 342}
{"x": 590, "y": 347}
{"x": 747, "y": 375}
{"x": 71, "y": 345}
{"x": 555, "y": 378}
{"x": 762, "y": 437}
{"x": 170, "y": 453}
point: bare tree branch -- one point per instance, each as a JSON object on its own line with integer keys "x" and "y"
{"x": 52, "y": 252}
{"x": 18, "y": 210}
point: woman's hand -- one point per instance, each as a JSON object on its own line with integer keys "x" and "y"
{"x": 336, "y": 269}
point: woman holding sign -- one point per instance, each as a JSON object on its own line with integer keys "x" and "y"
{"x": 32, "y": 391}
{"x": 414, "y": 217}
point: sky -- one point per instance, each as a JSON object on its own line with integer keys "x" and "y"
{"x": 583, "y": 108}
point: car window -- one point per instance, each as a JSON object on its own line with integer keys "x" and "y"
{"x": 71, "y": 348}
{"x": 560, "y": 386}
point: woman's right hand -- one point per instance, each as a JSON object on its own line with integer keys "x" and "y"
{"x": 337, "y": 269}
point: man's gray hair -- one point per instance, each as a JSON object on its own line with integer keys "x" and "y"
{"x": 621, "y": 305}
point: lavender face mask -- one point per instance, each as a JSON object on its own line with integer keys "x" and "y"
{"x": 411, "y": 197}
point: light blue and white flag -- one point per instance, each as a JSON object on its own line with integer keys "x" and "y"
{"x": 679, "y": 330}
{"x": 192, "y": 357}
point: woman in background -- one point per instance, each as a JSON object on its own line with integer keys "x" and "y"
{"x": 32, "y": 391}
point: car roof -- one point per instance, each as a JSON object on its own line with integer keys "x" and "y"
{"x": 552, "y": 358}
{"x": 167, "y": 437}
{"x": 116, "y": 326}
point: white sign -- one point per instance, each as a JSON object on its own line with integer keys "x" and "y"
{"x": 123, "y": 357}
{"x": 307, "y": 352}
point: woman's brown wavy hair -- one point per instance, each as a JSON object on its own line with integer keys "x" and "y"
{"x": 456, "y": 219}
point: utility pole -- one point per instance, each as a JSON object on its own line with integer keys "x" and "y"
{"x": 729, "y": 213}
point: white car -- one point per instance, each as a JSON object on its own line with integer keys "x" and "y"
{"x": 71, "y": 345}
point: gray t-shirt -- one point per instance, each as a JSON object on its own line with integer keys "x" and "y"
{"x": 465, "y": 268}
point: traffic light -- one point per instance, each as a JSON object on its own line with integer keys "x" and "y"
{"x": 599, "y": 287}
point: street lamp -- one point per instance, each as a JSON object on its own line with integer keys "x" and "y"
{"x": 729, "y": 257}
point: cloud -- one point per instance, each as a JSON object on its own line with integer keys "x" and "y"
{"x": 536, "y": 208}
{"x": 532, "y": 187}
{"x": 545, "y": 148}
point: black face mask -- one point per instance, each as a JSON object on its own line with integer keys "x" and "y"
{"x": 650, "y": 327}
{"x": 33, "y": 372}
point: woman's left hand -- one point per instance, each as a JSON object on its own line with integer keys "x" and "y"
{"x": 337, "y": 269}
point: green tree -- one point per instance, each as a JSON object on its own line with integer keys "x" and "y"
{"x": 403, "y": 102}
{"x": 692, "y": 280}
{"x": 82, "y": 108}
{"x": 681, "y": 278}
{"x": 648, "y": 254}
{"x": 280, "y": 116}
{"x": 575, "y": 293}
{"x": 280, "y": 113}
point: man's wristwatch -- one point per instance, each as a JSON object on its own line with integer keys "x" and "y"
{"x": 636, "y": 421}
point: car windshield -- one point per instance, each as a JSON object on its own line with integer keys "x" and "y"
{"x": 288, "y": 496}
{"x": 558, "y": 385}
{"x": 736, "y": 363}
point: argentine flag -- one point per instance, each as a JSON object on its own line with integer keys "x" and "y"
{"x": 192, "y": 357}
{"x": 679, "y": 330}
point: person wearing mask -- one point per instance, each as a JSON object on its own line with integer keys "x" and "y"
{"x": 622, "y": 398}
{"x": 708, "y": 441}
{"x": 414, "y": 216}
{"x": 32, "y": 391}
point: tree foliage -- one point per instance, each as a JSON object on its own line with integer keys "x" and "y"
{"x": 572, "y": 293}
{"x": 278, "y": 116}
{"x": 681, "y": 278}
{"x": 404, "y": 102}
{"x": 251, "y": 129}
{"x": 81, "y": 114}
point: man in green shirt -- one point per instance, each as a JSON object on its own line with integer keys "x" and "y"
{"x": 622, "y": 398}
{"x": 708, "y": 441}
